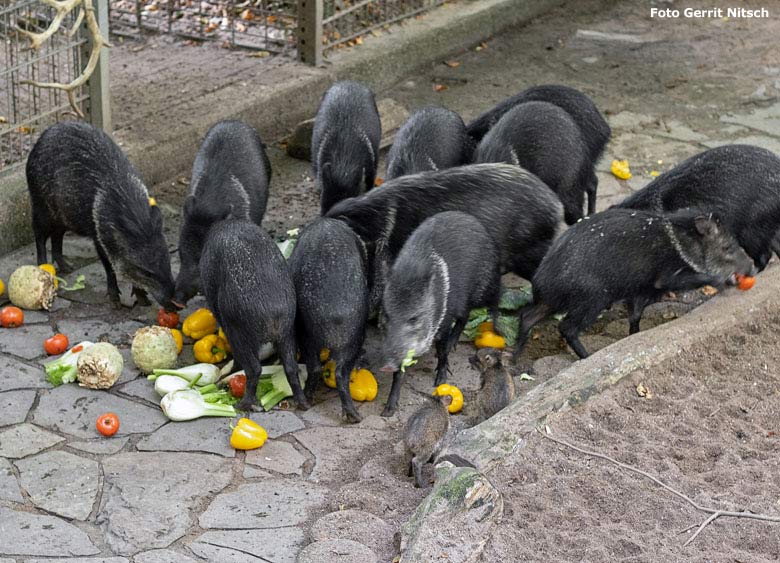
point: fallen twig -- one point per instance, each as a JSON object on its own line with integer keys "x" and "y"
{"x": 714, "y": 513}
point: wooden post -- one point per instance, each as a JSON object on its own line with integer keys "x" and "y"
{"x": 98, "y": 107}
{"x": 310, "y": 31}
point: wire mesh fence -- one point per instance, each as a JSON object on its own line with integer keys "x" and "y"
{"x": 25, "y": 111}
{"x": 251, "y": 24}
{"x": 346, "y": 20}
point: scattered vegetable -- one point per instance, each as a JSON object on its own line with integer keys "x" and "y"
{"x": 457, "y": 397}
{"x": 2, "y": 287}
{"x": 324, "y": 355}
{"x": 56, "y": 345}
{"x": 238, "y": 385}
{"x": 165, "y": 384}
{"x": 223, "y": 336}
{"x": 210, "y": 349}
{"x": 11, "y": 317}
{"x": 107, "y": 424}
{"x": 189, "y": 404}
{"x": 179, "y": 338}
{"x": 65, "y": 368}
{"x": 167, "y": 319}
{"x": 489, "y": 340}
{"x": 199, "y": 324}
{"x": 75, "y": 286}
{"x": 487, "y": 326}
{"x": 99, "y": 366}
{"x": 507, "y": 322}
{"x": 248, "y": 435}
{"x": 329, "y": 374}
{"x": 362, "y": 385}
{"x": 272, "y": 391}
{"x": 31, "y": 288}
{"x": 154, "y": 348}
{"x": 50, "y": 268}
{"x": 621, "y": 169}
{"x": 408, "y": 361}
{"x": 745, "y": 282}
{"x": 204, "y": 374}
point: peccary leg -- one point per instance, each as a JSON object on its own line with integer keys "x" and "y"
{"x": 395, "y": 393}
{"x": 253, "y": 370}
{"x": 635, "y": 309}
{"x": 286, "y": 348}
{"x": 111, "y": 286}
{"x": 56, "y": 252}
{"x": 417, "y": 464}
{"x": 530, "y": 315}
{"x": 313, "y": 368}
{"x": 141, "y": 298}
{"x": 410, "y": 471}
{"x": 41, "y": 231}
{"x": 570, "y": 328}
{"x": 593, "y": 184}
{"x": 342, "y": 384}
{"x": 443, "y": 348}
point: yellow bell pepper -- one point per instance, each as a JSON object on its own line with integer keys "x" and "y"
{"x": 329, "y": 374}
{"x": 489, "y": 340}
{"x": 487, "y": 326}
{"x": 51, "y": 270}
{"x": 2, "y": 287}
{"x": 324, "y": 355}
{"x": 457, "y": 397}
{"x": 199, "y": 324}
{"x": 621, "y": 170}
{"x": 210, "y": 349}
{"x": 222, "y": 335}
{"x": 248, "y": 435}
{"x": 177, "y": 336}
{"x": 362, "y": 385}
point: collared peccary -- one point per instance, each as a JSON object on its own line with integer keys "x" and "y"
{"x": 631, "y": 255}
{"x": 81, "y": 181}
{"x": 594, "y": 128}
{"x": 448, "y": 266}
{"x": 497, "y": 388}
{"x": 545, "y": 140}
{"x": 518, "y": 210}
{"x": 230, "y": 178}
{"x": 424, "y": 434}
{"x": 249, "y": 289}
{"x": 345, "y": 142}
{"x": 328, "y": 267}
{"x": 433, "y": 138}
{"x": 738, "y": 183}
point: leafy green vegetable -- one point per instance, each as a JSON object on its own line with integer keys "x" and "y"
{"x": 189, "y": 404}
{"x": 75, "y": 286}
{"x": 507, "y": 323}
{"x": 65, "y": 368}
{"x": 408, "y": 361}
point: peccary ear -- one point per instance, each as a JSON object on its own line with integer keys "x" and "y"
{"x": 226, "y": 213}
{"x": 706, "y": 226}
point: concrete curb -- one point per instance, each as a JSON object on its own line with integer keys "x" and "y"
{"x": 381, "y": 61}
{"x": 488, "y": 443}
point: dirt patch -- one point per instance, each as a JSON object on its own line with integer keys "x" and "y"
{"x": 710, "y": 430}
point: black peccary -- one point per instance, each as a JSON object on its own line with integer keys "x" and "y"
{"x": 249, "y": 289}
{"x": 631, "y": 255}
{"x": 433, "y": 138}
{"x": 518, "y": 210}
{"x": 345, "y": 142}
{"x": 497, "y": 388}
{"x": 545, "y": 140}
{"x": 448, "y": 266}
{"x": 594, "y": 128}
{"x": 230, "y": 178}
{"x": 81, "y": 181}
{"x": 328, "y": 267}
{"x": 738, "y": 183}
{"x": 424, "y": 434}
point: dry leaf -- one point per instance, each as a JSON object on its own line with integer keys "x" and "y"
{"x": 240, "y": 27}
{"x": 358, "y": 40}
{"x": 270, "y": 19}
{"x": 247, "y": 15}
{"x": 211, "y": 28}
{"x": 708, "y": 290}
{"x": 439, "y": 87}
{"x": 644, "y": 391}
{"x": 481, "y": 46}
{"x": 260, "y": 55}
{"x": 452, "y": 64}
{"x": 3, "y": 119}
{"x": 378, "y": 182}
{"x": 24, "y": 130}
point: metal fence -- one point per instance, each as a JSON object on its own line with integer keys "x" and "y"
{"x": 309, "y": 27}
{"x": 25, "y": 110}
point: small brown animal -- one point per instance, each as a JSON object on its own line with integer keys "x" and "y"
{"x": 424, "y": 434}
{"x": 497, "y": 388}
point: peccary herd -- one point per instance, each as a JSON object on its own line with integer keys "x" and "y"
{"x": 462, "y": 205}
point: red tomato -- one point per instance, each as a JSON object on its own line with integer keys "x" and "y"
{"x": 11, "y": 317}
{"x": 745, "y": 282}
{"x": 107, "y": 424}
{"x": 167, "y": 319}
{"x": 57, "y": 344}
{"x": 238, "y": 385}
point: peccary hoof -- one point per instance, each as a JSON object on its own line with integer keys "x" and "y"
{"x": 248, "y": 404}
{"x": 388, "y": 411}
{"x": 352, "y": 417}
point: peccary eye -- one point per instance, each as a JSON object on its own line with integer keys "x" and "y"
{"x": 413, "y": 320}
